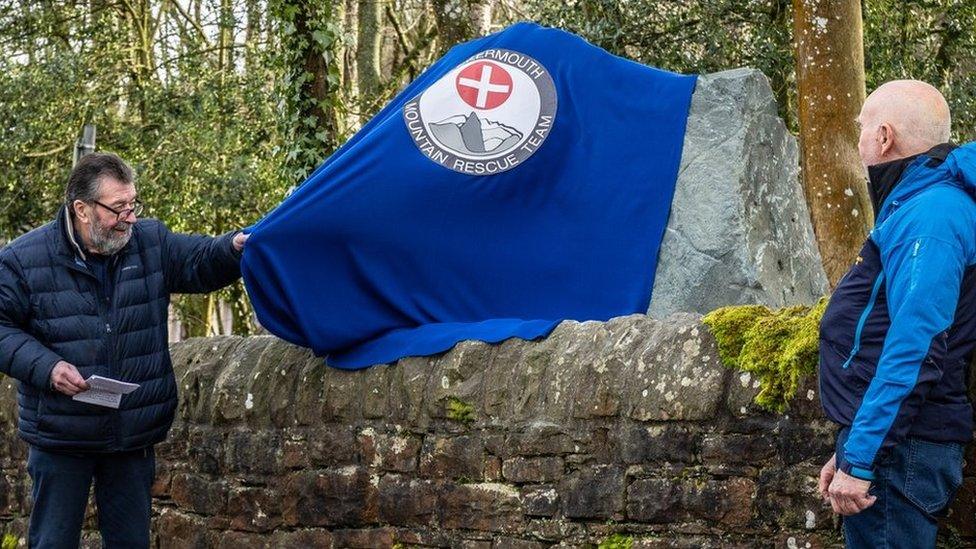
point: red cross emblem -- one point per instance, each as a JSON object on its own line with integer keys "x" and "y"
{"x": 484, "y": 85}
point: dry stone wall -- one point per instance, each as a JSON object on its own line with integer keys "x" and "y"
{"x": 603, "y": 432}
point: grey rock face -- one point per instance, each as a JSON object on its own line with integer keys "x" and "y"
{"x": 739, "y": 230}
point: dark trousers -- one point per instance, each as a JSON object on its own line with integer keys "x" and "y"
{"x": 914, "y": 487}
{"x": 62, "y": 482}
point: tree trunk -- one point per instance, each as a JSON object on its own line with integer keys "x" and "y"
{"x": 193, "y": 313}
{"x": 781, "y": 78}
{"x": 310, "y": 35}
{"x": 225, "y": 40}
{"x": 371, "y": 15}
{"x": 252, "y": 36}
{"x": 350, "y": 69}
{"x": 461, "y": 20}
{"x": 141, "y": 23}
{"x": 479, "y": 14}
{"x": 211, "y": 315}
{"x": 830, "y": 78}
{"x": 315, "y": 62}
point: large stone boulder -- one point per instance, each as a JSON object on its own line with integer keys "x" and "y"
{"x": 739, "y": 230}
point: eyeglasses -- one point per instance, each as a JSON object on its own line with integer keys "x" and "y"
{"x": 136, "y": 209}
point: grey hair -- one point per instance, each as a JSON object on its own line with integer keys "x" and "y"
{"x": 85, "y": 178}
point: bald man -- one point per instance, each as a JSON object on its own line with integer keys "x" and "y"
{"x": 898, "y": 335}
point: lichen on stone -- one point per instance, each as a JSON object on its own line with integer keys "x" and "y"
{"x": 779, "y": 347}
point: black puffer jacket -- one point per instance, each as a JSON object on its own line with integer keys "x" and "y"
{"x": 51, "y": 309}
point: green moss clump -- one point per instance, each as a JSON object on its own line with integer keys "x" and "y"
{"x": 729, "y": 325}
{"x": 779, "y": 347}
{"x": 617, "y": 541}
{"x": 459, "y": 410}
{"x": 10, "y": 541}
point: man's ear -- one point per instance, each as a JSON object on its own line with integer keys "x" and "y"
{"x": 886, "y": 138}
{"x": 82, "y": 211}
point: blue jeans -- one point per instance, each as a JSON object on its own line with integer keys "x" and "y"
{"x": 914, "y": 487}
{"x": 62, "y": 482}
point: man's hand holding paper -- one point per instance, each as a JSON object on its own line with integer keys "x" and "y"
{"x": 105, "y": 391}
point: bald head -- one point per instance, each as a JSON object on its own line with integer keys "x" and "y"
{"x": 902, "y": 118}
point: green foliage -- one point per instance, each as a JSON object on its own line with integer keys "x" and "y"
{"x": 459, "y": 410}
{"x": 694, "y": 37}
{"x": 779, "y": 347}
{"x": 931, "y": 40}
{"x": 223, "y": 106}
{"x": 949, "y": 538}
{"x": 201, "y": 131}
{"x": 617, "y": 541}
{"x": 311, "y": 37}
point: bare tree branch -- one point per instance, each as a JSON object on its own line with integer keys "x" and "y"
{"x": 40, "y": 154}
{"x": 192, "y": 21}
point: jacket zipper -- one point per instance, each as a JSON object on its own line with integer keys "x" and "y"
{"x": 115, "y": 264}
{"x": 864, "y": 318}
{"x": 106, "y": 316}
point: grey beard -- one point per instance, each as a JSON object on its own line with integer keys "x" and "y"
{"x": 105, "y": 242}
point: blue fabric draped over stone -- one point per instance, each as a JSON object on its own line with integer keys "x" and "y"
{"x": 384, "y": 252}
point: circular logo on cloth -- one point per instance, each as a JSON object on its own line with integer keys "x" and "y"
{"x": 487, "y": 115}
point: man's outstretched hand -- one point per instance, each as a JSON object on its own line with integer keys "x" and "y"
{"x": 847, "y": 495}
{"x": 66, "y": 379}
{"x": 239, "y": 240}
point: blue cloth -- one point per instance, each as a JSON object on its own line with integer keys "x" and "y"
{"x": 898, "y": 335}
{"x": 60, "y": 487}
{"x": 914, "y": 487}
{"x": 397, "y": 247}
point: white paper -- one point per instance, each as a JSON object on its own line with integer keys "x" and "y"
{"x": 105, "y": 391}
{"x": 99, "y": 398}
{"x": 111, "y": 385}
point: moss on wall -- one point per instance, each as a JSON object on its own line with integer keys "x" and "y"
{"x": 10, "y": 541}
{"x": 459, "y": 410}
{"x": 779, "y": 347}
{"x": 617, "y": 541}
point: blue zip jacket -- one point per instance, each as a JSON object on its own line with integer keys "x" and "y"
{"x": 52, "y": 307}
{"x": 899, "y": 331}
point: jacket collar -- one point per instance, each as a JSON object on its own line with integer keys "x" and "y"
{"x": 884, "y": 177}
{"x": 66, "y": 243}
{"x": 63, "y": 240}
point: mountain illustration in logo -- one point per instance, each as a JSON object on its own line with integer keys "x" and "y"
{"x": 471, "y": 135}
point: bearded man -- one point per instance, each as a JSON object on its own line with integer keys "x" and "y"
{"x": 84, "y": 295}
